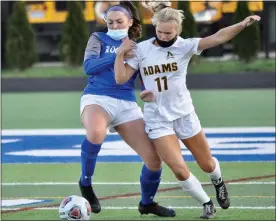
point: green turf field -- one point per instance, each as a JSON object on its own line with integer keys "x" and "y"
{"x": 252, "y": 190}
{"x": 216, "y": 108}
{"x": 251, "y": 199}
{"x": 201, "y": 66}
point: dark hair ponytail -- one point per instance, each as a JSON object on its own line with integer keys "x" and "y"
{"x": 135, "y": 31}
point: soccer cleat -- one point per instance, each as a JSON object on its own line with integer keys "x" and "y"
{"x": 156, "y": 209}
{"x": 209, "y": 210}
{"x": 88, "y": 193}
{"x": 222, "y": 194}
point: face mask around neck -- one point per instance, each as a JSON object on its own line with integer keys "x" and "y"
{"x": 166, "y": 44}
{"x": 117, "y": 34}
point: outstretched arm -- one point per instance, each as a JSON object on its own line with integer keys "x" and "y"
{"x": 123, "y": 72}
{"x": 226, "y": 34}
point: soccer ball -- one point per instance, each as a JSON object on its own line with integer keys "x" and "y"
{"x": 74, "y": 208}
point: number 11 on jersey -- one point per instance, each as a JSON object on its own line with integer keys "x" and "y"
{"x": 159, "y": 83}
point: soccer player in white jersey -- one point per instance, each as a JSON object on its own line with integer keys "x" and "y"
{"x": 169, "y": 112}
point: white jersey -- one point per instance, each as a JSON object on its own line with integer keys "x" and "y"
{"x": 163, "y": 71}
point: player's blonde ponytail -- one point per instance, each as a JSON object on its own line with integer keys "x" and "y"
{"x": 164, "y": 13}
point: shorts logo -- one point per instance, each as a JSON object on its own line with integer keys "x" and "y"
{"x": 150, "y": 130}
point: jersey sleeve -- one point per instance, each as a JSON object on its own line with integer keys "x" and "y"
{"x": 93, "y": 47}
{"x": 93, "y": 63}
{"x": 134, "y": 62}
{"x": 192, "y": 46}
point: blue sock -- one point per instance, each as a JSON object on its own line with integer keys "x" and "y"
{"x": 89, "y": 154}
{"x": 149, "y": 181}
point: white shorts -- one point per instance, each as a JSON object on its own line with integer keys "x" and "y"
{"x": 120, "y": 111}
{"x": 184, "y": 127}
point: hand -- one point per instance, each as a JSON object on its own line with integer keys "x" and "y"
{"x": 127, "y": 46}
{"x": 147, "y": 96}
{"x": 250, "y": 20}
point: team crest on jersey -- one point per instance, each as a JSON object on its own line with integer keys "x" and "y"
{"x": 110, "y": 49}
{"x": 169, "y": 55}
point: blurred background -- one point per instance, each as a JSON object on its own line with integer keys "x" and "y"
{"x": 48, "y": 17}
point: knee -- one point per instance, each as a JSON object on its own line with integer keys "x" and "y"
{"x": 181, "y": 172}
{"x": 181, "y": 175}
{"x": 96, "y": 136}
{"x": 153, "y": 163}
{"x": 208, "y": 166}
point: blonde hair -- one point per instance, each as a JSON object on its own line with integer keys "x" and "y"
{"x": 162, "y": 12}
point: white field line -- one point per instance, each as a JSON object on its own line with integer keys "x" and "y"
{"x": 173, "y": 207}
{"x": 31, "y": 132}
{"x": 125, "y": 183}
{"x": 131, "y": 197}
{"x": 134, "y": 197}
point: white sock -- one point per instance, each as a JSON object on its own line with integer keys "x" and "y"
{"x": 215, "y": 176}
{"x": 193, "y": 187}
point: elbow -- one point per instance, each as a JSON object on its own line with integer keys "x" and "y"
{"x": 86, "y": 68}
{"x": 221, "y": 38}
{"x": 85, "y": 71}
{"x": 220, "y": 41}
{"x": 119, "y": 80}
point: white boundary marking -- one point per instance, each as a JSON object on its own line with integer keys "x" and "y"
{"x": 78, "y": 131}
{"x": 125, "y": 183}
{"x": 173, "y": 207}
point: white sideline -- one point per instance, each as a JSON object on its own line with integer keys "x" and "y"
{"x": 79, "y": 131}
{"x": 124, "y": 183}
{"x": 173, "y": 207}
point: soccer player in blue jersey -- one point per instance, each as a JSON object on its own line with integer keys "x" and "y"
{"x": 105, "y": 104}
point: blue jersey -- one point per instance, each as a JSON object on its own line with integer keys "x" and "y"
{"x": 98, "y": 64}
